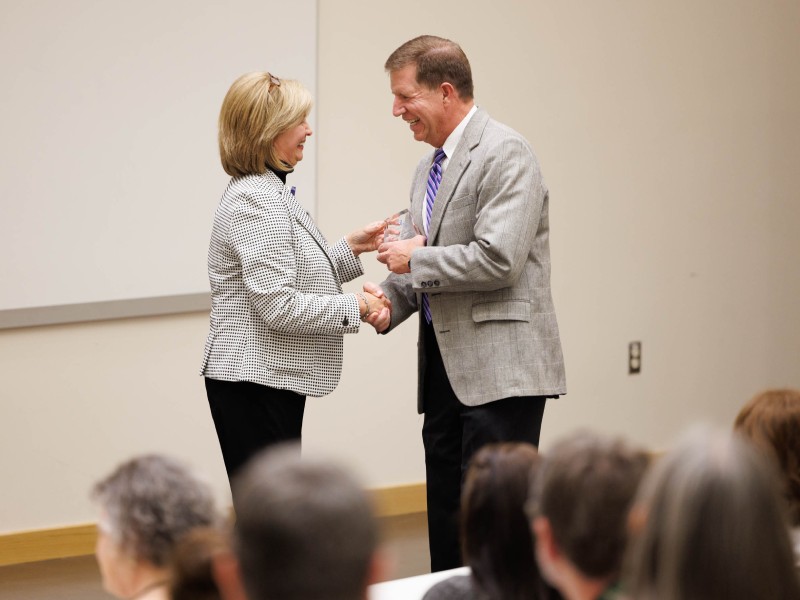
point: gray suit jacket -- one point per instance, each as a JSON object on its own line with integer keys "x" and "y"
{"x": 278, "y": 312}
{"x": 486, "y": 268}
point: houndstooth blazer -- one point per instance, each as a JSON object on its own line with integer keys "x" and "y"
{"x": 486, "y": 269}
{"x": 278, "y": 313}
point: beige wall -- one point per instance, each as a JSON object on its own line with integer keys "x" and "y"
{"x": 668, "y": 134}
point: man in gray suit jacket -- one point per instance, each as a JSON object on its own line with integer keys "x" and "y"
{"x": 478, "y": 270}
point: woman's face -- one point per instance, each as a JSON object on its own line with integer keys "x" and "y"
{"x": 116, "y": 567}
{"x": 289, "y": 144}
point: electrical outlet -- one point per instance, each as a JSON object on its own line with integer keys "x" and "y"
{"x": 634, "y": 358}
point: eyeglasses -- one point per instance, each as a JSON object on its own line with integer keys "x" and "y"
{"x": 273, "y": 82}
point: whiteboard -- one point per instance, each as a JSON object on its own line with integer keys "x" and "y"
{"x": 108, "y": 160}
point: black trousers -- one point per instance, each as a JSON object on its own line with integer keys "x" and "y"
{"x": 451, "y": 434}
{"x": 249, "y": 417}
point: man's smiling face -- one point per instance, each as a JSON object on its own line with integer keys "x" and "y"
{"x": 420, "y": 107}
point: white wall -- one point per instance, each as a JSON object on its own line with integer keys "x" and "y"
{"x": 109, "y": 138}
{"x": 668, "y": 135}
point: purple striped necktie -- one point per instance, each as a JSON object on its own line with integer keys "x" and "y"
{"x": 434, "y": 179}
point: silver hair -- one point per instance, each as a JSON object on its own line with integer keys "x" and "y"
{"x": 149, "y": 502}
{"x": 709, "y": 524}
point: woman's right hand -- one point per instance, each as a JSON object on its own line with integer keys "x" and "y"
{"x": 375, "y": 309}
{"x": 367, "y": 239}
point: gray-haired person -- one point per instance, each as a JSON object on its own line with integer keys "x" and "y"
{"x": 146, "y": 505}
{"x": 708, "y": 523}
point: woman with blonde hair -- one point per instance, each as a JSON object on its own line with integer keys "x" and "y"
{"x": 278, "y": 312}
{"x": 708, "y": 525}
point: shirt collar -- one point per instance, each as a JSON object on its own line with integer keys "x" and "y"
{"x": 454, "y": 138}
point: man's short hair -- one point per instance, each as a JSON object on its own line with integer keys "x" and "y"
{"x": 305, "y": 529}
{"x": 438, "y": 60}
{"x": 585, "y": 487}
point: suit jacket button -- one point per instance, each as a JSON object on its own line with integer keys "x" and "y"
{"x": 435, "y": 282}
{"x": 346, "y": 322}
{"x": 430, "y": 284}
{"x": 423, "y": 284}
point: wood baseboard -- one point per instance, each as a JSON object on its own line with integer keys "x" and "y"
{"x": 79, "y": 540}
{"x": 400, "y": 500}
{"x": 44, "y": 544}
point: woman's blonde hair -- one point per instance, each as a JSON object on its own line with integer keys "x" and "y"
{"x": 257, "y": 108}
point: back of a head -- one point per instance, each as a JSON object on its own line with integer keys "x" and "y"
{"x": 437, "y": 60}
{"x": 149, "y": 503}
{"x": 771, "y": 421}
{"x": 584, "y": 488}
{"x": 498, "y": 545}
{"x": 304, "y": 529}
{"x": 192, "y": 571}
{"x": 708, "y": 525}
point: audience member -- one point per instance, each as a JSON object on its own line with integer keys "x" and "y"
{"x": 707, "y": 524}
{"x": 192, "y": 564}
{"x": 497, "y": 542}
{"x": 771, "y": 421}
{"x": 146, "y": 505}
{"x": 578, "y": 508}
{"x": 304, "y": 530}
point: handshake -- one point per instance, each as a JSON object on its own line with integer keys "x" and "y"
{"x": 375, "y": 307}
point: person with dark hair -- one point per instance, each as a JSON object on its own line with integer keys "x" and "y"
{"x": 305, "y": 530}
{"x": 192, "y": 576}
{"x": 497, "y": 541}
{"x": 476, "y": 265}
{"x": 708, "y": 524}
{"x": 578, "y": 509}
{"x": 278, "y": 313}
{"x": 146, "y": 506}
{"x": 771, "y": 421}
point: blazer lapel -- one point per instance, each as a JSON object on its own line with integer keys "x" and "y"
{"x": 306, "y": 222}
{"x": 455, "y": 170}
